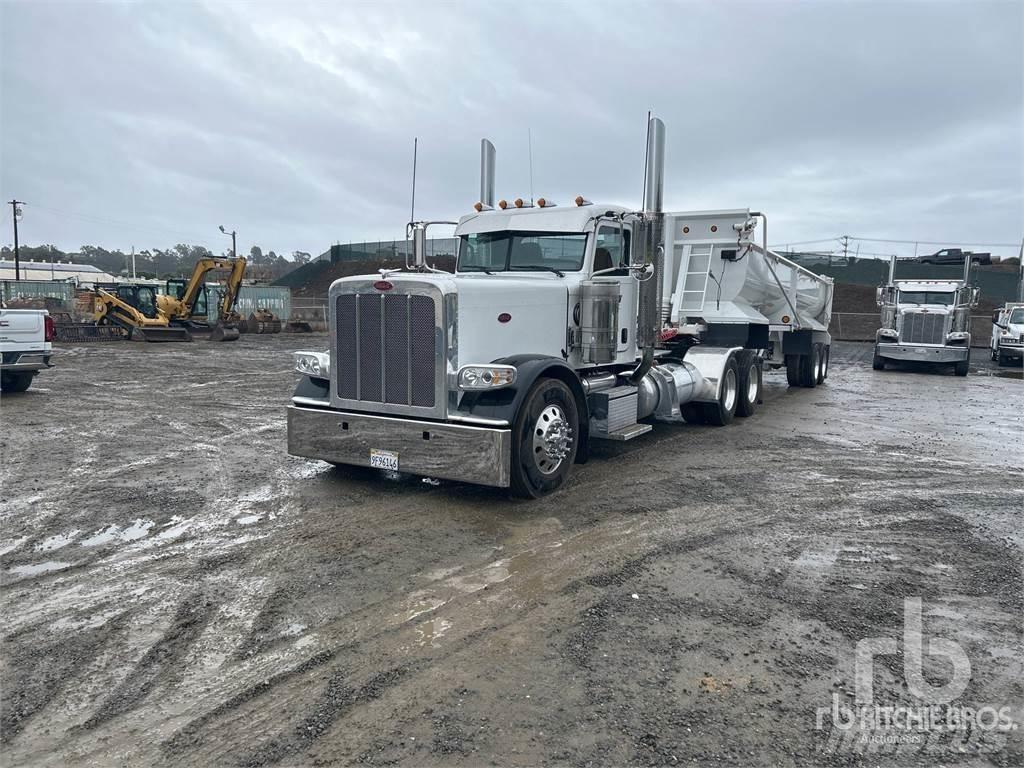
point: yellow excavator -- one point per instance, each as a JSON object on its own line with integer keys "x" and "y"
{"x": 185, "y": 302}
{"x": 135, "y": 308}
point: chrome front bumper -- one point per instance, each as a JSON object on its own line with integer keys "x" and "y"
{"x": 478, "y": 455}
{"x": 924, "y": 353}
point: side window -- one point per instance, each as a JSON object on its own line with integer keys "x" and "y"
{"x": 611, "y": 249}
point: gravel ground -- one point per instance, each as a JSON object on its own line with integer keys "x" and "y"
{"x": 177, "y": 591}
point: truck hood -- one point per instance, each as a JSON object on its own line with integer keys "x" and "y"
{"x": 504, "y": 315}
{"x": 498, "y": 315}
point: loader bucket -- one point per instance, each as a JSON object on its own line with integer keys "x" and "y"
{"x": 154, "y": 334}
{"x": 221, "y": 332}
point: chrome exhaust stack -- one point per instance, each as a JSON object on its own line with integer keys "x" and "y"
{"x": 487, "y": 161}
{"x": 654, "y": 254}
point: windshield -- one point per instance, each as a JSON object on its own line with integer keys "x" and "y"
{"x": 927, "y": 297}
{"x": 1017, "y": 316}
{"x": 523, "y": 251}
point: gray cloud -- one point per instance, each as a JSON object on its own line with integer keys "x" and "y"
{"x": 293, "y": 123}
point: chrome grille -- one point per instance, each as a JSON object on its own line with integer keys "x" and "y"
{"x": 923, "y": 328}
{"x": 386, "y": 348}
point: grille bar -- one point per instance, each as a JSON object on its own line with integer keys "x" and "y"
{"x": 923, "y": 328}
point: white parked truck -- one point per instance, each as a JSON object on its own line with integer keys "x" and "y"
{"x": 26, "y": 337}
{"x": 1008, "y": 332}
{"x": 560, "y": 325}
{"x": 926, "y": 321}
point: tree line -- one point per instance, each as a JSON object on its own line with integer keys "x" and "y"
{"x": 160, "y": 263}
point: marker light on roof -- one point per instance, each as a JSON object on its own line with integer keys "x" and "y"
{"x": 503, "y": 204}
{"x": 519, "y": 202}
{"x": 581, "y": 200}
{"x": 545, "y": 203}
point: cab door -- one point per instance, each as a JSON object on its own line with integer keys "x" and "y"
{"x": 610, "y": 262}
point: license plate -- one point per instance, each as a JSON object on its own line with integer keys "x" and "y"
{"x": 384, "y": 459}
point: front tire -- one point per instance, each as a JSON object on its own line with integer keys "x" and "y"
{"x": 545, "y": 436}
{"x": 793, "y": 370}
{"x": 961, "y": 367}
{"x": 16, "y": 382}
{"x": 720, "y": 413}
{"x": 878, "y": 362}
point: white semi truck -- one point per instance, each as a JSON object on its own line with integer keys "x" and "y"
{"x": 560, "y": 325}
{"x": 926, "y": 321}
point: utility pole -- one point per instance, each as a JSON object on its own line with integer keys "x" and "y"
{"x": 16, "y": 211}
{"x": 1020, "y": 265}
{"x": 846, "y": 247}
{"x": 133, "y": 263}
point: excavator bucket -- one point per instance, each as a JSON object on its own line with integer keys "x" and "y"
{"x": 221, "y": 332}
{"x": 153, "y": 333}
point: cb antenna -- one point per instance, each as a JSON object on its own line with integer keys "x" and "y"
{"x": 412, "y": 213}
{"x": 529, "y": 149}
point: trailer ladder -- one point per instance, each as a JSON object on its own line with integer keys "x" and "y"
{"x": 693, "y": 282}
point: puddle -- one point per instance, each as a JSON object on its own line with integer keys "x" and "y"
{"x": 56, "y": 542}
{"x": 293, "y": 629}
{"x": 248, "y": 519}
{"x": 429, "y": 632}
{"x": 37, "y": 568}
{"x": 137, "y": 530}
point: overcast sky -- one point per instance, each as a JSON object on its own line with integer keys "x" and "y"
{"x": 149, "y": 124}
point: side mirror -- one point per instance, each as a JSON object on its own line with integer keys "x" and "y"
{"x": 975, "y": 295}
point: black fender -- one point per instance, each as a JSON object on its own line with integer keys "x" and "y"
{"x": 504, "y": 403}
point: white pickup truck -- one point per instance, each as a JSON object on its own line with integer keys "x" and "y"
{"x": 26, "y": 337}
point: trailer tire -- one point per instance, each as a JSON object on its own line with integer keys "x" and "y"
{"x": 877, "y": 361}
{"x": 720, "y": 413}
{"x": 819, "y": 377}
{"x": 793, "y": 370}
{"x": 750, "y": 384}
{"x": 809, "y": 365}
{"x": 16, "y": 382}
{"x": 961, "y": 367}
{"x": 548, "y": 419}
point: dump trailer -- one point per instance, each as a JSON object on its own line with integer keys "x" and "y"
{"x": 561, "y": 325}
{"x": 925, "y": 321}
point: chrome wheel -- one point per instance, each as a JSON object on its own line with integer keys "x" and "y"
{"x": 752, "y": 384}
{"x": 729, "y": 390}
{"x": 552, "y": 439}
{"x": 817, "y": 366}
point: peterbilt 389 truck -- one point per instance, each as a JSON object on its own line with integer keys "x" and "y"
{"x": 561, "y": 324}
{"x": 926, "y": 321}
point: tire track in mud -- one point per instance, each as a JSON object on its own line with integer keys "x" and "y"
{"x": 41, "y": 673}
{"x": 162, "y": 664}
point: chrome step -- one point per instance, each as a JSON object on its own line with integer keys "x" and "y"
{"x": 626, "y": 433}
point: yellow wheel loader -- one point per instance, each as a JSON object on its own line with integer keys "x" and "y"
{"x": 136, "y": 309}
{"x": 186, "y": 301}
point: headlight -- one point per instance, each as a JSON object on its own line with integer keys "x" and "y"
{"x": 957, "y": 336}
{"x": 887, "y": 332}
{"x": 477, "y": 377}
{"x": 315, "y": 364}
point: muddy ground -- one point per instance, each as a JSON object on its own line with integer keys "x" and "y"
{"x": 177, "y": 591}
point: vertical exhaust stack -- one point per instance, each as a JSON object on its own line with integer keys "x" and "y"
{"x": 651, "y": 289}
{"x": 892, "y": 268}
{"x": 487, "y": 159}
{"x": 967, "y": 268}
